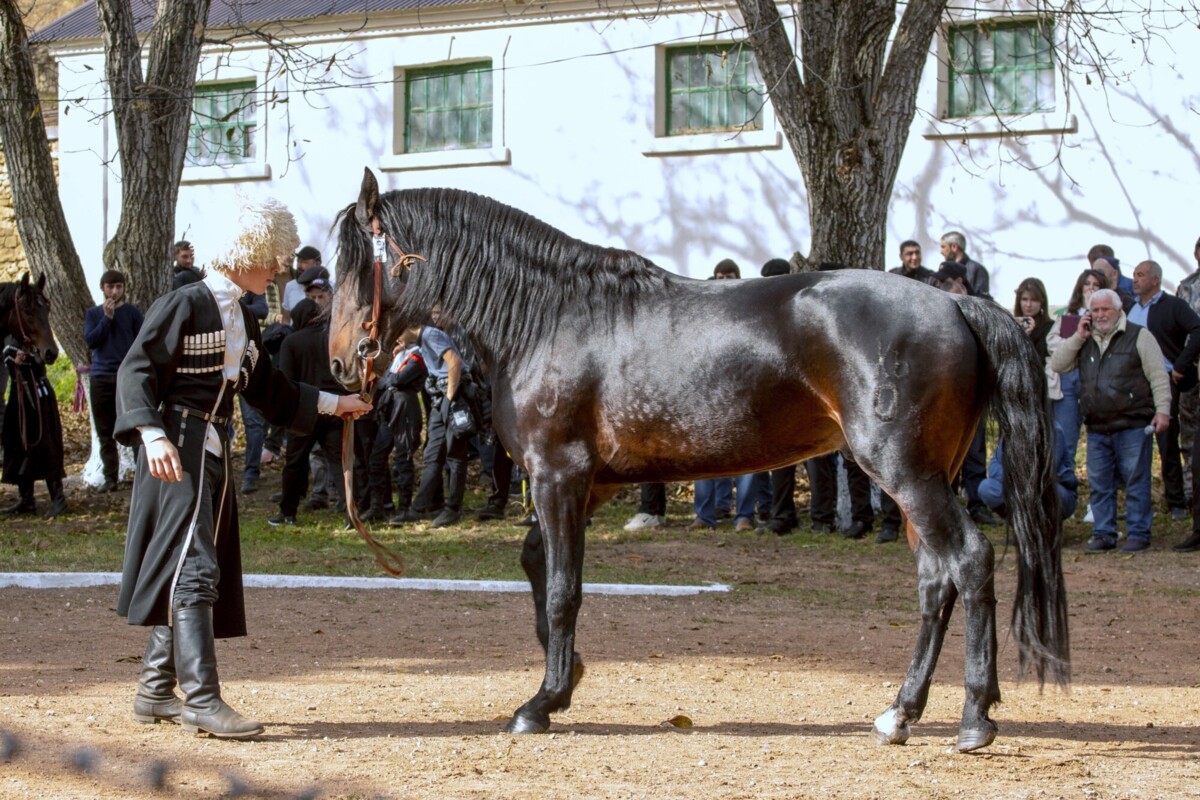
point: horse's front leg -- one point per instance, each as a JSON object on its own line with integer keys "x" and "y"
{"x": 937, "y": 595}
{"x": 533, "y": 561}
{"x": 562, "y": 505}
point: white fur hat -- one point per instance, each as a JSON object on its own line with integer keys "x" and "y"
{"x": 267, "y": 232}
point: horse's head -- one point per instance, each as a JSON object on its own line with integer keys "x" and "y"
{"x": 363, "y": 326}
{"x": 29, "y": 319}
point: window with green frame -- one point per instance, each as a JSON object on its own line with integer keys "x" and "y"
{"x": 1002, "y": 68}
{"x": 713, "y": 88}
{"x": 223, "y": 124}
{"x": 448, "y": 107}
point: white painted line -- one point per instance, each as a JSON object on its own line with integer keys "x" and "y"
{"x": 75, "y": 580}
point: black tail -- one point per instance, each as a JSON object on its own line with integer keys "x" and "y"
{"x": 1020, "y": 405}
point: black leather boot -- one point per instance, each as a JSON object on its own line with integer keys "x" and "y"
{"x": 58, "y": 501}
{"x": 25, "y": 503}
{"x": 156, "y": 700}
{"x": 196, "y": 665}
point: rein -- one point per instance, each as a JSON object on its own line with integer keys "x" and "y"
{"x": 22, "y": 385}
{"x": 368, "y": 349}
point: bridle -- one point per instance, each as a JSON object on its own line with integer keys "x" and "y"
{"x": 26, "y": 341}
{"x": 369, "y": 347}
{"x": 367, "y": 350}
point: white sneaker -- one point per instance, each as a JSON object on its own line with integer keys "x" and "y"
{"x": 641, "y": 521}
{"x": 1088, "y": 516}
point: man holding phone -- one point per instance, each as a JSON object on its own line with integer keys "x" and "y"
{"x": 1124, "y": 396}
{"x": 109, "y": 330}
{"x": 1176, "y": 328}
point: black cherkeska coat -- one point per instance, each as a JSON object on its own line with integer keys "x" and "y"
{"x": 32, "y": 435}
{"x": 177, "y": 361}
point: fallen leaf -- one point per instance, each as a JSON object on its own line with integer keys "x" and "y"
{"x": 678, "y": 721}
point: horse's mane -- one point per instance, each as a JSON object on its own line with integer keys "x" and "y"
{"x": 505, "y": 276}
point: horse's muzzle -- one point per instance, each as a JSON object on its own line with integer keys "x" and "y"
{"x": 347, "y": 376}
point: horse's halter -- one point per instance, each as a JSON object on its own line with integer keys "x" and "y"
{"x": 26, "y": 341}
{"x": 369, "y": 347}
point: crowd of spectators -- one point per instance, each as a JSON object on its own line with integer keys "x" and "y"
{"x": 1120, "y": 357}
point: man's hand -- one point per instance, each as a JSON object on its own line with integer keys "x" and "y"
{"x": 1085, "y": 326}
{"x": 1160, "y": 423}
{"x": 352, "y": 406}
{"x": 109, "y": 307}
{"x": 163, "y": 459}
{"x": 1176, "y": 376}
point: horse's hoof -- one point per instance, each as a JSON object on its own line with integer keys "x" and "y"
{"x": 889, "y": 729}
{"x": 523, "y": 723}
{"x": 969, "y": 740}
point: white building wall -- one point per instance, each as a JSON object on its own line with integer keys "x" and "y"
{"x": 575, "y": 115}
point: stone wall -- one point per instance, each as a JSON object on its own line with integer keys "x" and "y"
{"x": 12, "y": 253}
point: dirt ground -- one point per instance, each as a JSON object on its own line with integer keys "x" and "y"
{"x": 404, "y": 694}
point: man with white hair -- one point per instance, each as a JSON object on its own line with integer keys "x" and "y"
{"x": 1124, "y": 395}
{"x": 199, "y": 347}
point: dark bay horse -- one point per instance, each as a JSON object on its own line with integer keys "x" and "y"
{"x": 608, "y": 370}
{"x": 25, "y": 316}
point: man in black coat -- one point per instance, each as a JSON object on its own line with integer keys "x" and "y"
{"x": 304, "y": 357}
{"x": 1176, "y": 328}
{"x": 197, "y": 349}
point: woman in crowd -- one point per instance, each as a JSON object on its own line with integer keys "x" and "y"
{"x": 1064, "y": 388}
{"x": 1030, "y": 310}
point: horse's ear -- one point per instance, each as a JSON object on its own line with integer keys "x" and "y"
{"x": 368, "y": 199}
{"x": 41, "y": 284}
{"x": 24, "y": 281}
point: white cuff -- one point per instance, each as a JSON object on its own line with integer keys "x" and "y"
{"x": 151, "y": 434}
{"x": 327, "y": 403}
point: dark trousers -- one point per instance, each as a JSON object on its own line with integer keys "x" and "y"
{"x": 1196, "y": 479}
{"x": 822, "y": 486}
{"x": 104, "y": 415}
{"x": 442, "y": 449}
{"x": 327, "y": 434}
{"x": 199, "y": 573}
{"x": 974, "y": 468}
{"x": 1172, "y": 459}
{"x": 365, "y": 430}
{"x": 653, "y": 499}
{"x": 502, "y": 470}
{"x": 783, "y": 497}
{"x": 822, "y": 476}
{"x": 402, "y": 474}
{"x": 255, "y": 428}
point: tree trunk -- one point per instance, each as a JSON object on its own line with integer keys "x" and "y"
{"x": 40, "y": 219}
{"x": 152, "y": 120}
{"x": 846, "y": 116}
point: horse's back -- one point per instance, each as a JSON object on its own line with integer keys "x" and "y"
{"x": 758, "y": 374}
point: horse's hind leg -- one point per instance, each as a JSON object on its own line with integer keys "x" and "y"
{"x": 973, "y": 569}
{"x": 954, "y": 559}
{"x": 938, "y": 595}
